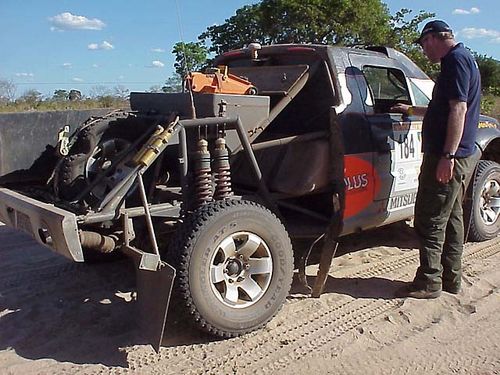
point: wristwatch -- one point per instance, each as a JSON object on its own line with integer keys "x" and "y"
{"x": 448, "y": 156}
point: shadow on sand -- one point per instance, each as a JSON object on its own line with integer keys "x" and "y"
{"x": 77, "y": 313}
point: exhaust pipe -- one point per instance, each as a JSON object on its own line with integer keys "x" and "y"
{"x": 97, "y": 241}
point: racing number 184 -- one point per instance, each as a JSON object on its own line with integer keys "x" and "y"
{"x": 407, "y": 146}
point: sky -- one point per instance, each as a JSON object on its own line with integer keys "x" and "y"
{"x": 87, "y": 44}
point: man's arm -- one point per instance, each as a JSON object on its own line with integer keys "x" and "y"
{"x": 409, "y": 110}
{"x": 454, "y": 130}
{"x": 455, "y": 126}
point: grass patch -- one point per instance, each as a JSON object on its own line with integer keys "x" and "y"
{"x": 54, "y": 105}
{"x": 495, "y": 111}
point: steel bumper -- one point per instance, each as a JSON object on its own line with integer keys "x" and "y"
{"x": 51, "y": 226}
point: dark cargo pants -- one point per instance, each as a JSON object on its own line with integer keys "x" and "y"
{"x": 439, "y": 224}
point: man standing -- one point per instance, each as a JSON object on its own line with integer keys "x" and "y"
{"x": 448, "y": 135}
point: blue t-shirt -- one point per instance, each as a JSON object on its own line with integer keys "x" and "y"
{"x": 460, "y": 80}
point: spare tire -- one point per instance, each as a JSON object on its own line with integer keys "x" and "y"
{"x": 91, "y": 154}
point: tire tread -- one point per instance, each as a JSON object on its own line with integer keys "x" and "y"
{"x": 483, "y": 167}
{"x": 179, "y": 254}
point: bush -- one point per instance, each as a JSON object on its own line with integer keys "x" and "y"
{"x": 487, "y": 104}
{"x": 55, "y": 105}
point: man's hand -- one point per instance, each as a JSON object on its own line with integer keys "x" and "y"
{"x": 400, "y": 108}
{"x": 444, "y": 170}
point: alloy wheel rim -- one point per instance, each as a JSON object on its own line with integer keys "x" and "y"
{"x": 241, "y": 269}
{"x": 489, "y": 202}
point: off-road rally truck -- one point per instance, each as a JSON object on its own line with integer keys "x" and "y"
{"x": 206, "y": 190}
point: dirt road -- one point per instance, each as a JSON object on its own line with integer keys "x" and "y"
{"x": 66, "y": 318}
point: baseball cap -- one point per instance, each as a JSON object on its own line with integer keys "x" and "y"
{"x": 436, "y": 26}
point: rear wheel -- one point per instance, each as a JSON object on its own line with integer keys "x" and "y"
{"x": 485, "y": 223}
{"x": 235, "y": 266}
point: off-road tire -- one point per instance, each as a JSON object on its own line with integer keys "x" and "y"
{"x": 484, "y": 221}
{"x": 194, "y": 251}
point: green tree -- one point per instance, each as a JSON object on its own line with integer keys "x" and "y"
{"x": 172, "y": 84}
{"x": 404, "y": 32}
{"x": 74, "y": 95}
{"x": 244, "y": 27}
{"x": 343, "y": 22}
{"x": 60, "y": 95}
{"x": 189, "y": 57}
{"x": 490, "y": 73}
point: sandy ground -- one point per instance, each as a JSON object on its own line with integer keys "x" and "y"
{"x": 58, "y": 317}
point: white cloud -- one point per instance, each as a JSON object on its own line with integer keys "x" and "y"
{"x": 68, "y": 21}
{"x": 25, "y": 75}
{"x": 158, "y": 50}
{"x": 473, "y": 33}
{"x": 157, "y": 64}
{"x": 66, "y": 65}
{"x": 472, "y": 10}
{"x": 103, "y": 46}
{"x": 95, "y": 66}
{"x": 77, "y": 79}
{"x": 106, "y": 45}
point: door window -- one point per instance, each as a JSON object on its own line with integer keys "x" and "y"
{"x": 387, "y": 87}
{"x": 420, "y": 98}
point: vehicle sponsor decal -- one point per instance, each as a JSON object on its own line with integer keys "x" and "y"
{"x": 487, "y": 124}
{"x": 356, "y": 182}
{"x": 406, "y": 155}
{"x": 362, "y": 183}
{"x": 401, "y": 201}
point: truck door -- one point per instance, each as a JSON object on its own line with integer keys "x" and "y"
{"x": 359, "y": 179}
{"x": 396, "y": 139}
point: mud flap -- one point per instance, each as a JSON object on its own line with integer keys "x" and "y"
{"x": 153, "y": 295}
{"x": 155, "y": 280}
{"x": 330, "y": 245}
{"x": 327, "y": 254}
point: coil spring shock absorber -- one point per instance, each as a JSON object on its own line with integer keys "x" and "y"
{"x": 203, "y": 174}
{"x": 222, "y": 170}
